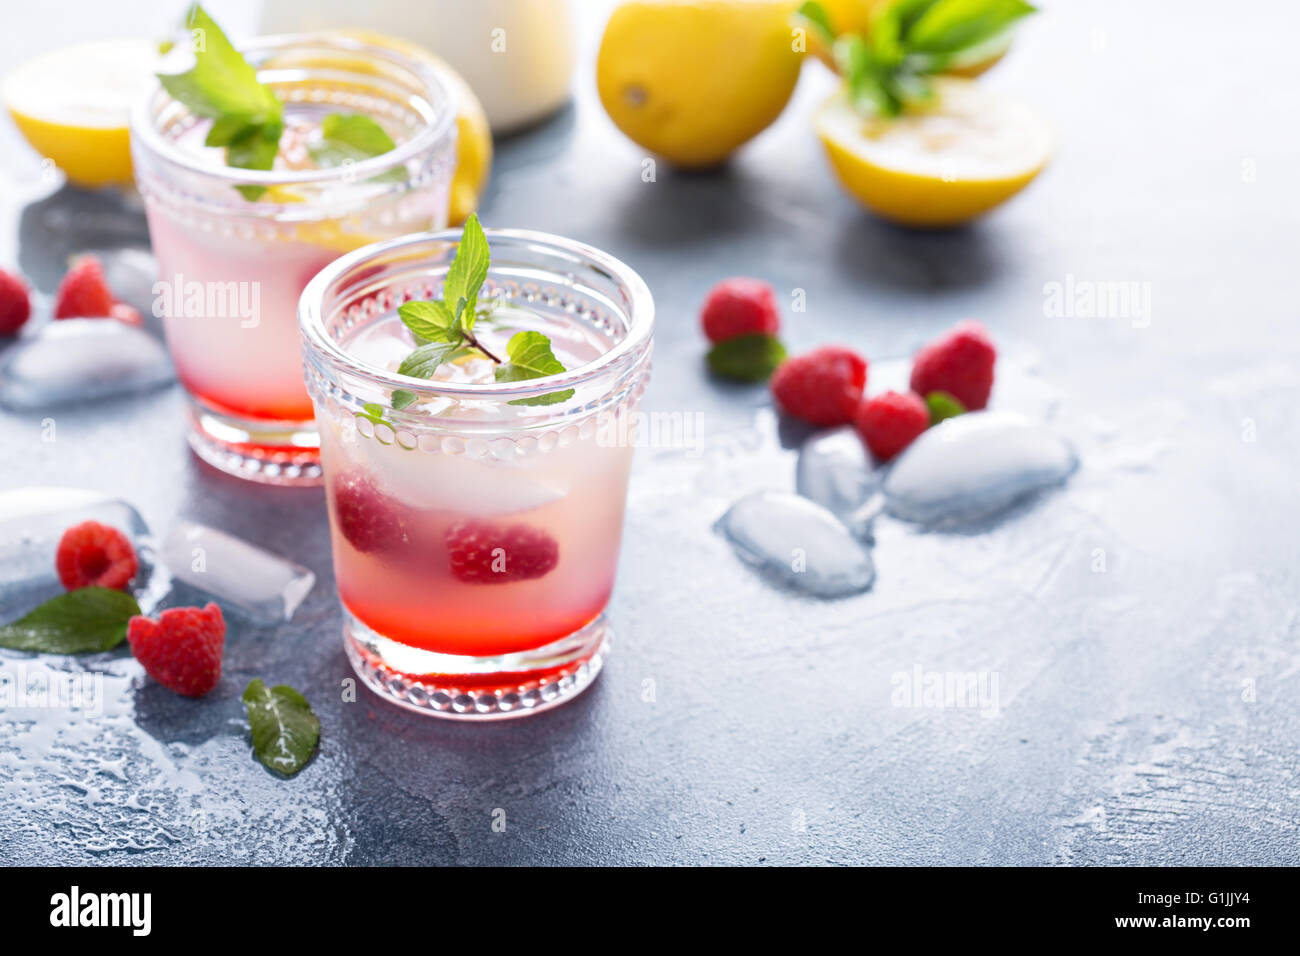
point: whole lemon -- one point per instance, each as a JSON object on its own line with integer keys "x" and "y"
{"x": 692, "y": 80}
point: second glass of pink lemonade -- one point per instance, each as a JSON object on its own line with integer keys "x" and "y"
{"x": 235, "y": 247}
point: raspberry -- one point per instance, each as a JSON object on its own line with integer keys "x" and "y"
{"x": 959, "y": 363}
{"x": 15, "y": 304}
{"x": 94, "y": 555}
{"x": 822, "y": 387}
{"x": 125, "y": 313}
{"x": 371, "y": 521}
{"x": 182, "y": 649}
{"x": 890, "y": 422}
{"x": 738, "y": 307}
{"x": 486, "y": 553}
{"x": 83, "y": 293}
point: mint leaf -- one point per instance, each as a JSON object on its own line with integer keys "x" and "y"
{"x": 357, "y": 132}
{"x": 247, "y": 116}
{"x": 942, "y": 406}
{"x": 531, "y": 357}
{"x": 949, "y": 26}
{"x": 468, "y": 270}
{"x": 747, "y": 358}
{"x": 422, "y": 362}
{"x": 820, "y": 20}
{"x": 402, "y": 398}
{"x": 371, "y": 410}
{"x": 284, "y": 729}
{"x": 87, "y": 619}
{"x": 429, "y": 321}
{"x": 221, "y": 82}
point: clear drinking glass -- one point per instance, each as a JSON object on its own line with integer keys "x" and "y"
{"x": 475, "y": 539}
{"x": 231, "y": 270}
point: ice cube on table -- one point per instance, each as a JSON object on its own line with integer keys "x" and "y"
{"x": 797, "y": 543}
{"x": 33, "y": 519}
{"x": 974, "y": 466}
{"x": 77, "y": 360}
{"x": 263, "y": 586}
{"x": 836, "y": 471}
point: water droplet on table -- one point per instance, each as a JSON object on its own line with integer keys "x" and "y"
{"x": 797, "y": 543}
{"x": 79, "y": 360}
{"x": 974, "y": 466}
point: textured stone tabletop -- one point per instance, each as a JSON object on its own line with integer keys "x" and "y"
{"x": 1143, "y": 623}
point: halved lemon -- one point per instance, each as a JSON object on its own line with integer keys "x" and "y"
{"x": 967, "y": 151}
{"x": 73, "y": 105}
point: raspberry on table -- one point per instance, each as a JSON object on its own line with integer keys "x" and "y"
{"x": 15, "y": 303}
{"x": 821, "y": 387}
{"x": 960, "y": 363}
{"x": 182, "y": 649}
{"x": 84, "y": 292}
{"x": 483, "y": 552}
{"x": 891, "y": 421}
{"x": 740, "y": 306}
{"x": 95, "y": 555}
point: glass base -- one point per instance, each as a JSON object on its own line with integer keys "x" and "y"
{"x": 477, "y": 688}
{"x": 263, "y": 450}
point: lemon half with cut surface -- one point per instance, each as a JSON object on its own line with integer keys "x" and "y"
{"x": 73, "y": 106}
{"x": 941, "y": 165}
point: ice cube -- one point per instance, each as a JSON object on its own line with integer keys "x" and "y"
{"x": 974, "y": 466}
{"x": 797, "y": 543}
{"x": 77, "y": 360}
{"x": 264, "y": 586}
{"x": 33, "y": 519}
{"x": 836, "y": 471}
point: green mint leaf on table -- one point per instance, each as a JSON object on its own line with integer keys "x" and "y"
{"x": 402, "y": 398}
{"x": 531, "y": 357}
{"x": 285, "y": 731}
{"x": 747, "y": 358}
{"x": 87, "y": 619}
{"x": 942, "y": 406}
{"x": 468, "y": 270}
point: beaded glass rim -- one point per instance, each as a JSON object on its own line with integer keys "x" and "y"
{"x": 441, "y": 118}
{"x": 640, "y": 311}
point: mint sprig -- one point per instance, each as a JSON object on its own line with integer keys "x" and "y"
{"x": 247, "y": 115}
{"x": 80, "y": 621}
{"x": 444, "y": 328}
{"x": 907, "y": 42}
{"x": 285, "y": 731}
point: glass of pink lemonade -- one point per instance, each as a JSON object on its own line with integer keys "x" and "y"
{"x": 235, "y": 247}
{"x": 476, "y": 532}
